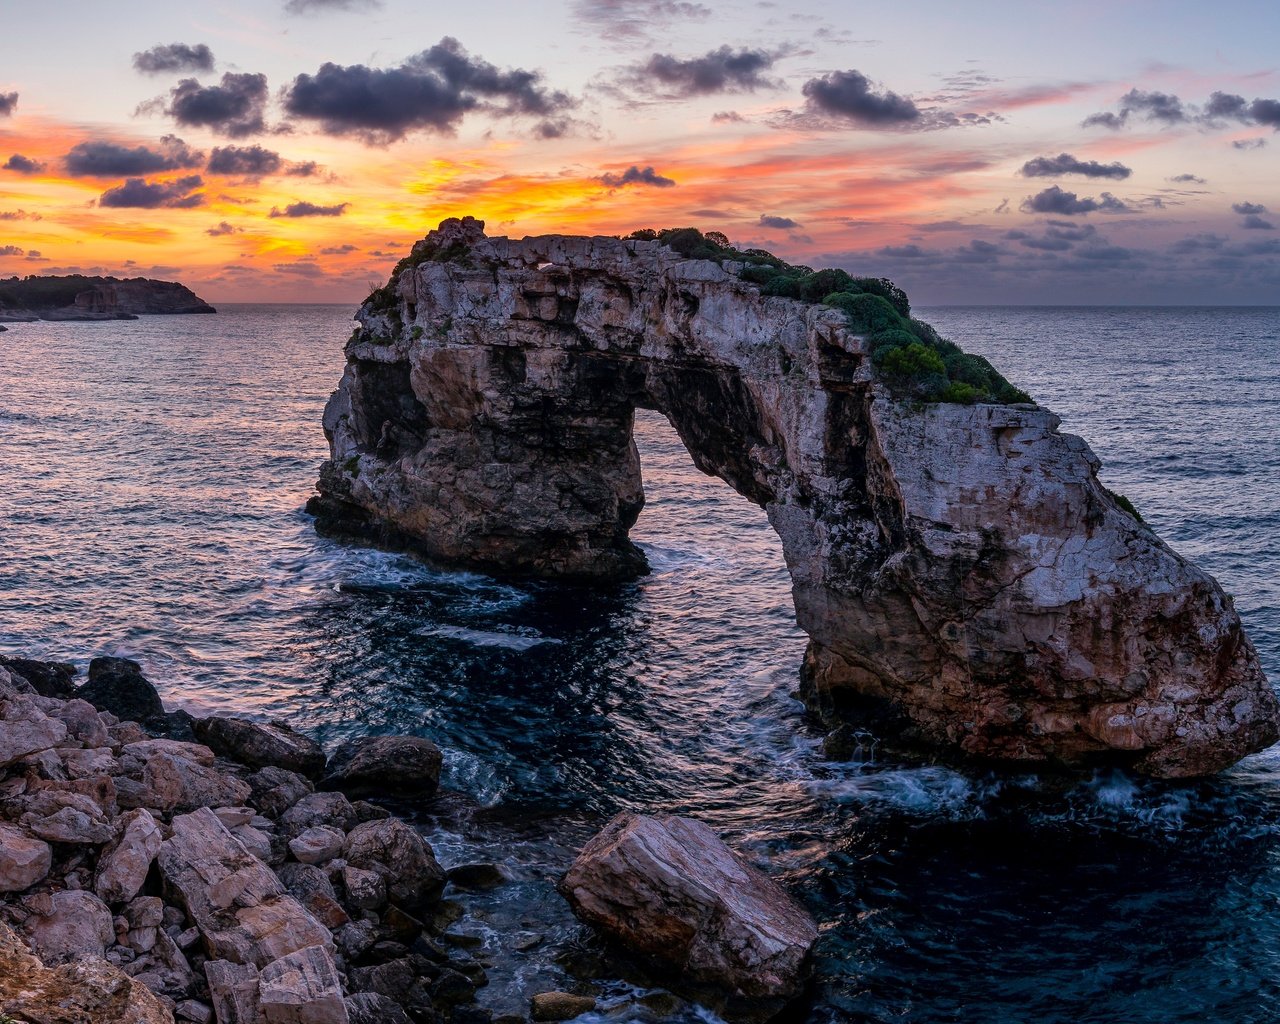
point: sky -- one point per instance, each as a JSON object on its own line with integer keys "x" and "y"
{"x": 293, "y": 150}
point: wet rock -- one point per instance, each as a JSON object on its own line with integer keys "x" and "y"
{"x": 82, "y": 992}
{"x": 332, "y": 809}
{"x": 402, "y": 857}
{"x": 318, "y": 844}
{"x": 25, "y": 729}
{"x": 477, "y": 877}
{"x": 552, "y": 1006}
{"x": 262, "y": 744}
{"x": 67, "y": 925}
{"x": 47, "y": 678}
{"x": 24, "y": 860}
{"x": 123, "y": 866}
{"x": 374, "y": 1008}
{"x": 118, "y": 685}
{"x": 381, "y": 765}
{"x": 302, "y": 988}
{"x": 452, "y": 988}
{"x": 669, "y": 888}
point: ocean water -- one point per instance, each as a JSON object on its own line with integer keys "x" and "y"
{"x": 152, "y": 480}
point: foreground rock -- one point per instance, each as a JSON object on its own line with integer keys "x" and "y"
{"x": 402, "y": 766}
{"x": 962, "y": 573}
{"x": 262, "y": 744}
{"x": 668, "y": 888}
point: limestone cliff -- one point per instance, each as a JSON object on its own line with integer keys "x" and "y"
{"x": 959, "y": 569}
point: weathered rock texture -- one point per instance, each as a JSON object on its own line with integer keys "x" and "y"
{"x": 959, "y": 569}
{"x": 668, "y": 887}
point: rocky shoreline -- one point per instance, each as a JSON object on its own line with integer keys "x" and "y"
{"x": 94, "y": 298}
{"x": 156, "y": 867}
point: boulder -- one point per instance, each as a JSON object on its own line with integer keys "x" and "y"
{"x": 123, "y": 866}
{"x": 382, "y": 765}
{"x": 233, "y": 991}
{"x": 318, "y": 844}
{"x": 552, "y": 1006}
{"x": 408, "y": 867}
{"x": 332, "y": 809}
{"x": 70, "y": 825}
{"x": 24, "y": 860}
{"x": 275, "y": 790}
{"x": 262, "y": 744}
{"x": 84, "y": 726}
{"x": 67, "y": 925}
{"x": 173, "y": 783}
{"x": 311, "y": 887}
{"x": 669, "y": 888}
{"x": 302, "y": 988}
{"x": 118, "y": 685}
{"x": 25, "y": 729}
{"x": 89, "y": 991}
{"x": 366, "y": 890}
{"x": 374, "y": 1008}
{"x": 47, "y": 678}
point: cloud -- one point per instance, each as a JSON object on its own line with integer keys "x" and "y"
{"x": 222, "y": 228}
{"x": 150, "y": 195}
{"x": 716, "y": 71}
{"x": 11, "y": 250}
{"x": 19, "y": 215}
{"x": 1054, "y": 200}
{"x": 431, "y": 91}
{"x": 235, "y": 108}
{"x": 304, "y": 169}
{"x": 243, "y": 161}
{"x": 727, "y": 117}
{"x": 23, "y": 164}
{"x": 634, "y": 175}
{"x": 300, "y": 269}
{"x": 339, "y": 250}
{"x": 320, "y": 6}
{"x": 1151, "y": 106}
{"x": 1187, "y": 179}
{"x": 1065, "y": 163}
{"x": 1244, "y": 208}
{"x": 849, "y": 94}
{"x": 633, "y": 18}
{"x": 1198, "y": 243}
{"x": 174, "y": 57}
{"x": 1248, "y": 143}
{"x": 780, "y": 223}
{"x": 108, "y": 160}
{"x": 304, "y": 209}
{"x": 8, "y": 103}
{"x": 1255, "y": 223}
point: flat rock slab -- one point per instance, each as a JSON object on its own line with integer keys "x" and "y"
{"x": 669, "y": 888}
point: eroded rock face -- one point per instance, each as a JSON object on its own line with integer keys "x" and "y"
{"x": 668, "y": 887}
{"x": 960, "y": 570}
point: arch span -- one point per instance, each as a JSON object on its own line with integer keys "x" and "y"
{"x": 960, "y": 567}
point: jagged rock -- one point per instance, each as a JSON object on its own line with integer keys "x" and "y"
{"x": 366, "y": 890}
{"x": 83, "y": 992}
{"x": 47, "y": 678}
{"x": 118, "y": 685}
{"x": 258, "y": 843}
{"x": 91, "y": 763}
{"x": 24, "y": 860}
{"x": 669, "y": 888}
{"x": 234, "y": 817}
{"x": 275, "y": 790}
{"x": 175, "y": 783}
{"x": 262, "y": 744}
{"x": 237, "y": 902}
{"x": 123, "y": 866}
{"x": 402, "y": 980}
{"x": 374, "y": 1008}
{"x": 194, "y": 1011}
{"x": 551, "y": 1006}
{"x": 413, "y": 878}
{"x": 67, "y": 925}
{"x": 70, "y": 825}
{"x": 317, "y": 844}
{"x": 332, "y": 809}
{"x": 233, "y": 990}
{"x": 25, "y": 729}
{"x": 960, "y": 570}
{"x": 83, "y": 723}
{"x": 311, "y": 887}
{"x": 302, "y": 988}
{"x": 378, "y": 765}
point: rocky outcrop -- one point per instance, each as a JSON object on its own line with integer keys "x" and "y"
{"x": 964, "y": 577}
{"x": 669, "y": 888}
{"x": 94, "y": 298}
{"x": 378, "y": 765}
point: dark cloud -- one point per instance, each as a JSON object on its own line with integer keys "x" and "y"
{"x": 727, "y": 117}
{"x": 302, "y": 170}
{"x": 301, "y": 269}
{"x": 716, "y": 71}
{"x": 11, "y": 250}
{"x": 1188, "y": 179}
{"x": 108, "y": 160}
{"x": 150, "y": 195}
{"x": 781, "y": 223}
{"x": 319, "y": 6}
{"x": 1248, "y": 143}
{"x": 1266, "y": 112}
{"x": 223, "y": 228}
{"x": 1198, "y": 243}
{"x": 309, "y": 210}
{"x": 174, "y": 57}
{"x": 243, "y": 161}
{"x": 23, "y": 164}
{"x": 1245, "y": 208}
{"x": 19, "y": 215}
{"x": 849, "y": 94}
{"x": 1151, "y": 106}
{"x": 1054, "y": 200}
{"x": 8, "y": 103}
{"x": 903, "y": 252}
{"x": 1223, "y": 105}
{"x": 633, "y": 18}
{"x": 714, "y": 214}
{"x": 234, "y": 108}
{"x": 1106, "y": 253}
{"x": 339, "y": 250}
{"x": 634, "y": 175}
{"x": 1065, "y": 163}
{"x": 1255, "y": 223}
{"x": 430, "y": 91}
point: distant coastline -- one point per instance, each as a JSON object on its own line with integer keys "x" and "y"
{"x": 94, "y": 298}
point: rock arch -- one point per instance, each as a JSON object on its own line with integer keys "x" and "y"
{"x": 959, "y": 568}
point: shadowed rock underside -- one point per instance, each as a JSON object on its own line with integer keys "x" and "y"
{"x": 961, "y": 572}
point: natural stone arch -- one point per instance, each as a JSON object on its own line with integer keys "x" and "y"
{"x": 959, "y": 567}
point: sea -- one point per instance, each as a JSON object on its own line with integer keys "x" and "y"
{"x": 153, "y": 477}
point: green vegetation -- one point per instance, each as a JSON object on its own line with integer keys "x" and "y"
{"x": 352, "y": 465}
{"x": 908, "y": 355}
{"x": 385, "y": 300}
{"x": 1124, "y": 503}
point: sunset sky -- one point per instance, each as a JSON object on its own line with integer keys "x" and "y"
{"x": 293, "y": 150}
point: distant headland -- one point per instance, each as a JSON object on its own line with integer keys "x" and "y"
{"x": 94, "y": 298}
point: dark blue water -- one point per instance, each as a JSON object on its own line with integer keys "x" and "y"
{"x": 152, "y": 478}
